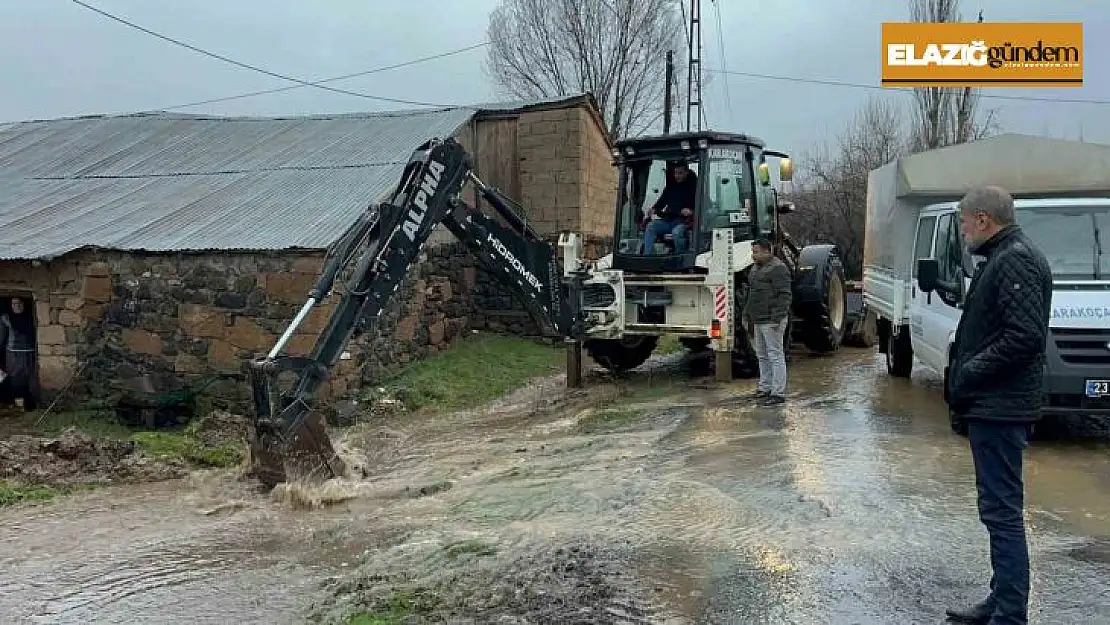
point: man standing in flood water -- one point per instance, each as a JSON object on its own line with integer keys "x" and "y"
{"x": 17, "y": 342}
{"x": 768, "y": 310}
{"x": 994, "y": 386}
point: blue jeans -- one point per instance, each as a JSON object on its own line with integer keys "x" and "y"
{"x": 658, "y": 227}
{"x": 996, "y": 449}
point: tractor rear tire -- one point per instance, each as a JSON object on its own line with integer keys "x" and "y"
{"x": 823, "y": 321}
{"x": 623, "y": 354}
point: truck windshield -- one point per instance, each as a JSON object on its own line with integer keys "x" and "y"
{"x": 1072, "y": 239}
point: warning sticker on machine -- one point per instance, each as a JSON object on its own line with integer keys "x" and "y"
{"x": 740, "y": 217}
{"x": 726, "y": 153}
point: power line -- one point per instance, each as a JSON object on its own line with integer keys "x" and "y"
{"x": 324, "y": 80}
{"x": 841, "y": 83}
{"x": 254, "y": 68}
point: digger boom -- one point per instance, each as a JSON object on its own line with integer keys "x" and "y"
{"x": 289, "y": 439}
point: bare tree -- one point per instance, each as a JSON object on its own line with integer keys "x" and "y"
{"x": 831, "y": 193}
{"x": 945, "y": 115}
{"x": 615, "y": 49}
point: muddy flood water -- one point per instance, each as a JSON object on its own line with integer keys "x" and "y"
{"x": 629, "y": 502}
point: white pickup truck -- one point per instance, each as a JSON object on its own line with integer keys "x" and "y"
{"x": 1062, "y": 201}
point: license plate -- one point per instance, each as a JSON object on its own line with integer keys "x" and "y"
{"x": 1098, "y": 388}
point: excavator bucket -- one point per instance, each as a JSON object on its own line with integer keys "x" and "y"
{"x": 303, "y": 455}
{"x": 290, "y": 444}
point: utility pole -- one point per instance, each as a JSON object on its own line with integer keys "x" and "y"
{"x": 693, "y": 73}
{"x": 668, "y": 94}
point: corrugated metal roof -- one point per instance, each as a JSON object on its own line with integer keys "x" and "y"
{"x": 173, "y": 182}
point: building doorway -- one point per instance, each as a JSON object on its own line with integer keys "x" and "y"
{"x": 18, "y": 351}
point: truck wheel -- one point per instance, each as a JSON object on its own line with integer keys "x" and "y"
{"x": 622, "y": 354}
{"x": 899, "y": 354}
{"x": 823, "y": 321}
{"x": 865, "y": 331}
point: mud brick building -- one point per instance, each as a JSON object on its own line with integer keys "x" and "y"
{"x": 161, "y": 249}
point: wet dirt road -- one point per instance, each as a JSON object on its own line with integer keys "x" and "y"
{"x": 852, "y": 504}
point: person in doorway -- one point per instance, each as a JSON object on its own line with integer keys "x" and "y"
{"x": 673, "y": 211}
{"x": 17, "y": 340}
{"x": 769, "y": 298}
{"x": 994, "y": 387}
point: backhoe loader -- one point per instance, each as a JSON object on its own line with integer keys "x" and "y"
{"x": 616, "y": 307}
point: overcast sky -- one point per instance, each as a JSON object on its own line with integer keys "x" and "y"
{"x": 61, "y": 59}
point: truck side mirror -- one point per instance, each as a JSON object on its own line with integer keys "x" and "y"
{"x": 928, "y": 272}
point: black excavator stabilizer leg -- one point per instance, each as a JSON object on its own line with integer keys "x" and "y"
{"x": 289, "y": 439}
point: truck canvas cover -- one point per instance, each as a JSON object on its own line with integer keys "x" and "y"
{"x": 1026, "y": 166}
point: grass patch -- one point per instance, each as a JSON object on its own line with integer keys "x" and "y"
{"x": 181, "y": 444}
{"x": 473, "y": 371}
{"x": 400, "y": 607}
{"x": 668, "y": 344}
{"x": 184, "y": 447}
{"x": 11, "y": 494}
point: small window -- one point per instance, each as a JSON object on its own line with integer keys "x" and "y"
{"x": 924, "y": 246}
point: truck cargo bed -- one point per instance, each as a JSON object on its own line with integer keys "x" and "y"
{"x": 886, "y": 293}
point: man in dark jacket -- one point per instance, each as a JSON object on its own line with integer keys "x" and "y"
{"x": 673, "y": 211}
{"x": 768, "y": 307}
{"x": 994, "y": 387}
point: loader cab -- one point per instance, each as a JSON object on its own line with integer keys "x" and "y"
{"x": 732, "y": 190}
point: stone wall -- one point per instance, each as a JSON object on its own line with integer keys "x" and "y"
{"x": 112, "y": 324}
{"x": 128, "y": 324}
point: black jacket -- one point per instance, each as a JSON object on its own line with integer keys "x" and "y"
{"x": 677, "y": 196}
{"x": 771, "y": 292}
{"x": 997, "y": 360}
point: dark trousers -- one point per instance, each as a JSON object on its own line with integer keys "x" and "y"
{"x": 996, "y": 449}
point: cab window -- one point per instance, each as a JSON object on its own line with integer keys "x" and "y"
{"x": 923, "y": 248}
{"x": 728, "y": 191}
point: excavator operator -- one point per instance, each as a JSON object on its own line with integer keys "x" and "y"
{"x": 673, "y": 212}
